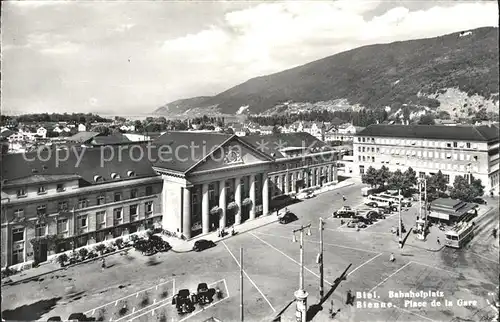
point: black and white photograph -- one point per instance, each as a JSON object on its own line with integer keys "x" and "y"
{"x": 250, "y": 161}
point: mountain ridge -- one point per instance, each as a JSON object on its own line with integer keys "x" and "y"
{"x": 412, "y": 72}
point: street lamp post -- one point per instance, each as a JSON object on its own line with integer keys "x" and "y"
{"x": 400, "y": 231}
{"x": 320, "y": 259}
{"x": 301, "y": 294}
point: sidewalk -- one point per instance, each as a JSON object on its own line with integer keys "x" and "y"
{"x": 184, "y": 246}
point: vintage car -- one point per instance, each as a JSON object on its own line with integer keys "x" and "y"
{"x": 203, "y": 244}
{"x": 183, "y": 301}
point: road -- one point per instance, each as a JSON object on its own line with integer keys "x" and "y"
{"x": 271, "y": 275}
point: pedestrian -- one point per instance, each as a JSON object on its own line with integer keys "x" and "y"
{"x": 494, "y": 233}
{"x": 438, "y": 241}
{"x": 344, "y": 198}
{"x": 349, "y": 297}
{"x": 341, "y": 222}
{"x": 103, "y": 264}
{"x": 392, "y": 259}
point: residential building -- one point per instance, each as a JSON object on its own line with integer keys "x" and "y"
{"x": 343, "y": 133}
{"x": 42, "y": 132}
{"x": 455, "y": 150}
{"x": 266, "y": 130}
{"x": 82, "y": 128}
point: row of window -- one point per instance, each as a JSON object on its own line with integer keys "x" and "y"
{"x": 84, "y": 202}
{"x": 21, "y": 192}
{"x": 82, "y": 221}
{"x": 424, "y": 154}
{"x": 299, "y": 164}
{"x": 424, "y": 143}
{"x": 444, "y": 166}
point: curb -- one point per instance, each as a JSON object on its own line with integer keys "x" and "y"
{"x": 428, "y": 249}
{"x": 27, "y": 279}
{"x": 335, "y": 187}
{"x": 228, "y": 236}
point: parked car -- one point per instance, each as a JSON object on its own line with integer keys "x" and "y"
{"x": 345, "y": 212}
{"x": 79, "y": 317}
{"x": 352, "y": 224}
{"x": 374, "y": 215}
{"x": 363, "y": 220}
{"x": 362, "y": 225}
{"x": 288, "y": 218}
{"x": 382, "y": 210}
{"x": 306, "y": 195}
{"x": 183, "y": 301}
{"x": 479, "y": 201}
{"x": 54, "y": 319}
{"x": 203, "y": 244}
{"x": 204, "y": 295}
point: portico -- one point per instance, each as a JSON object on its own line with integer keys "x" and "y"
{"x": 227, "y": 186}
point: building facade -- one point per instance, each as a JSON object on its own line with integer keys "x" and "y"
{"x": 189, "y": 183}
{"x": 457, "y": 150}
{"x": 73, "y": 204}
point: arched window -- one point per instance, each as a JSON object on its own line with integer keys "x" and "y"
{"x": 115, "y": 176}
{"x": 131, "y": 173}
{"x": 98, "y": 178}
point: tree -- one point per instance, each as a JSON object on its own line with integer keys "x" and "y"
{"x": 410, "y": 180}
{"x": 426, "y": 119}
{"x": 462, "y": 190}
{"x": 102, "y": 129}
{"x": 370, "y": 177}
{"x": 383, "y": 175}
{"x": 396, "y": 180}
{"x": 229, "y": 131}
{"x": 276, "y": 129}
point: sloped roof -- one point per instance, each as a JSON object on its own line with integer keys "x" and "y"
{"x": 110, "y": 139}
{"x": 94, "y": 161}
{"x": 271, "y": 144}
{"x": 6, "y": 133}
{"x": 83, "y": 137}
{"x": 482, "y": 133}
{"x": 186, "y": 148}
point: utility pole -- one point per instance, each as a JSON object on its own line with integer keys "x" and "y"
{"x": 241, "y": 284}
{"x": 400, "y": 231}
{"x": 320, "y": 259}
{"x": 425, "y": 210}
{"x": 301, "y": 294}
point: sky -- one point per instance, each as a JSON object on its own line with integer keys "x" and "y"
{"x": 130, "y": 57}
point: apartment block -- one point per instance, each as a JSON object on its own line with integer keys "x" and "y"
{"x": 457, "y": 150}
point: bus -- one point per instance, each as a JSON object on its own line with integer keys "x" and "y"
{"x": 376, "y": 201}
{"x": 459, "y": 235}
{"x": 396, "y": 199}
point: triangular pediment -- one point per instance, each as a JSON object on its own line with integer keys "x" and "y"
{"x": 233, "y": 152}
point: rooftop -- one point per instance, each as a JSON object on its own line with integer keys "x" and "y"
{"x": 280, "y": 141}
{"x": 483, "y": 133}
{"x": 83, "y": 162}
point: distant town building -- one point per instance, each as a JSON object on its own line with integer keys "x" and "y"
{"x": 42, "y": 132}
{"x": 82, "y": 128}
{"x": 455, "y": 150}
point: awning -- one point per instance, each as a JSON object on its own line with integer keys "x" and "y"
{"x": 439, "y": 215}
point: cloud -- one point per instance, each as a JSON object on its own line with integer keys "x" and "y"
{"x": 282, "y": 30}
{"x": 135, "y": 56}
{"x": 61, "y": 49}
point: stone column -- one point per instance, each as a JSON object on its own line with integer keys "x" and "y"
{"x": 237, "y": 199}
{"x": 252, "y": 196}
{"x": 222, "y": 203}
{"x": 265, "y": 194}
{"x": 334, "y": 174}
{"x": 294, "y": 181}
{"x": 205, "y": 217}
{"x": 287, "y": 183}
{"x": 186, "y": 212}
